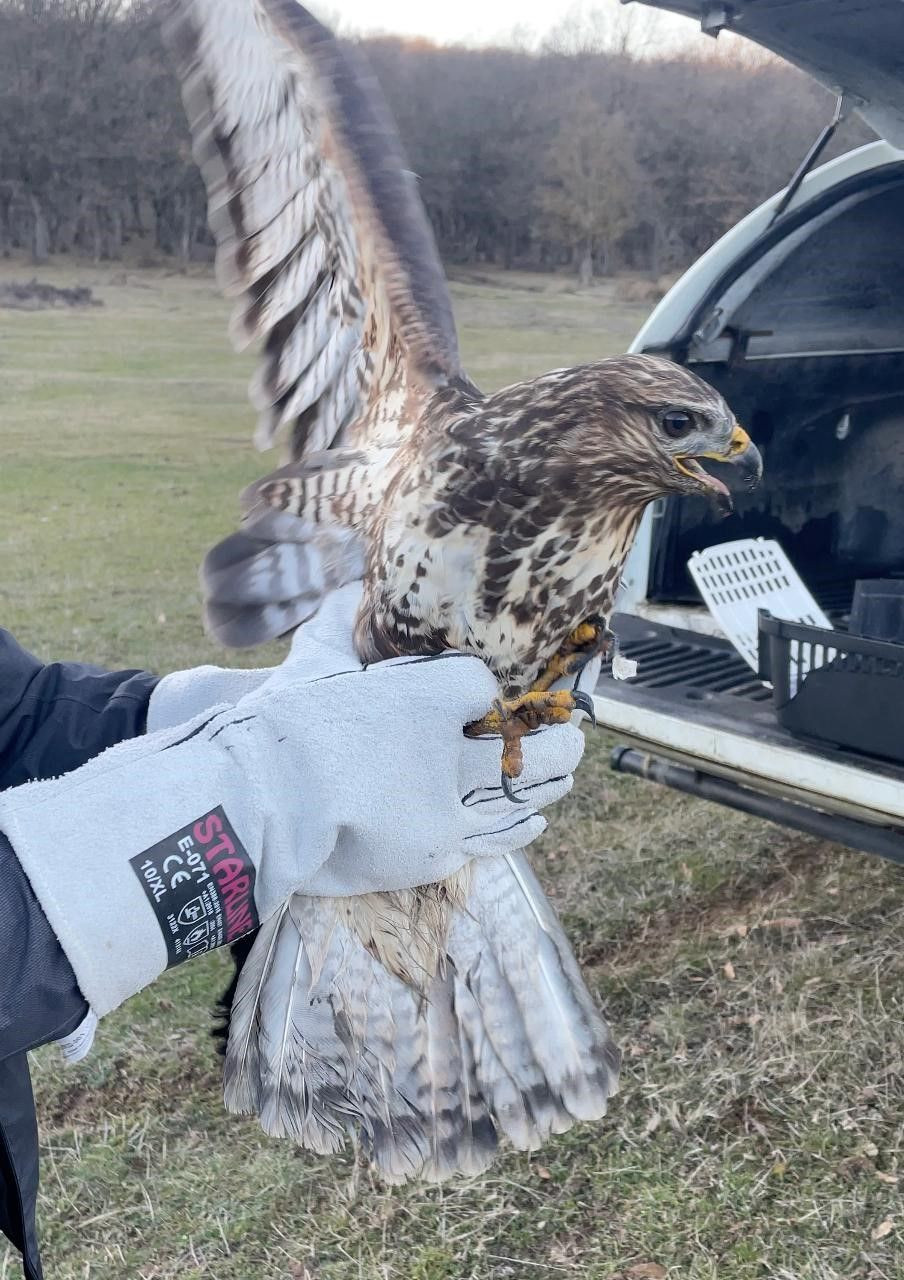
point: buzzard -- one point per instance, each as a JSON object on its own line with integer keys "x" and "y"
{"x": 426, "y": 1024}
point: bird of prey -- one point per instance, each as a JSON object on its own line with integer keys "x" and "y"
{"x": 427, "y": 1024}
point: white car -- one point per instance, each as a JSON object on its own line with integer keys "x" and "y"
{"x": 797, "y": 316}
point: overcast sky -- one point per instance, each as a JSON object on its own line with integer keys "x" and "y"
{"x": 499, "y": 21}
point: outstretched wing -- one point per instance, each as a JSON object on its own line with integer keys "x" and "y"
{"x": 321, "y": 237}
{"x": 324, "y": 244}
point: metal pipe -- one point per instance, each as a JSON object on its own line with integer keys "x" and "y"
{"x": 887, "y": 842}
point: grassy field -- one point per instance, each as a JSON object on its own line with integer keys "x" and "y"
{"x": 753, "y": 976}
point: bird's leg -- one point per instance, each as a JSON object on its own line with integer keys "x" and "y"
{"x": 585, "y": 643}
{"x": 512, "y": 718}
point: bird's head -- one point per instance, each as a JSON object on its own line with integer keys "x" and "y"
{"x": 644, "y": 428}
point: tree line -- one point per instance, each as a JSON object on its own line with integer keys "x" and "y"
{"x": 584, "y": 154}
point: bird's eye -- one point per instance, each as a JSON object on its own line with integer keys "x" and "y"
{"x": 676, "y": 423}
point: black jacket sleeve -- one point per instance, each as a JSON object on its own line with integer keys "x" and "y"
{"x": 53, "y": 718}
{"x": 39, "y": 1001}
{"x": 58, "y": 715}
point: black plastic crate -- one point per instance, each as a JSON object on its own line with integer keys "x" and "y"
{"x": 878, "y": 609}
{"x": 835, "y": 687}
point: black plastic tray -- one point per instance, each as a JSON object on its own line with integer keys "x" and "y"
{"x": 851, "y": 692}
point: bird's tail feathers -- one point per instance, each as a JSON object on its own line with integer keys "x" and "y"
{"x": 512, "y": 957}
{"x": 506, "y": 1042}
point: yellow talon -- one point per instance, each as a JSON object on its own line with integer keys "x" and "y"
{"x": 583, "y": 635}
{"x": 528, "y": 712}
{"x": 584, "y": 643}
{"x": 512, "y": 718}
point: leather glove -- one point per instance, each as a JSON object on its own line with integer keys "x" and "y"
{"x": 329, "y": 779}
{"x": 182, "y": 695}
{"x": 451, "y": 794}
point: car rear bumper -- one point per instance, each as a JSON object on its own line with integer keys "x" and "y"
{"x": 696, "y": 703}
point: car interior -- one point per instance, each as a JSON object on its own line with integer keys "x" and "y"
{"x": 810, "y": 355}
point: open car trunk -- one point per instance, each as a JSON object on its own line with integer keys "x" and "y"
{"x": 849, "y": 45}
{"x": 807, "y": 344}
{"x": 797, "y": 317}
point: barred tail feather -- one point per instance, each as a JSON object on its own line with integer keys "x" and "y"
{"x": 505, "y": 1043}
{"x": 433, "y": 1069}
{"x": 538, "y": 1018}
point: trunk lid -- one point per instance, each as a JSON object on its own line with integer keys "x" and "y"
{"x": 854, "y": 47}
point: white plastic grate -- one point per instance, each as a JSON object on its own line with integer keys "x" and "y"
{"x": 737, "y": 579}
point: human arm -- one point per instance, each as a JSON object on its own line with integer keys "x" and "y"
{"x": 40, "y": 999}
{"x": 331, "y": 779}
{"x": 54, "y": 717}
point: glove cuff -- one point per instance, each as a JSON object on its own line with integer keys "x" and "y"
{"x": 185, "y": 694}
{"x": 134, "y": 859}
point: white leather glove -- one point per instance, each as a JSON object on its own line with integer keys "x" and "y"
{"x": 329, "y": 779}
{"x": 182, "y": 695}
{"x": 454, "y": 802}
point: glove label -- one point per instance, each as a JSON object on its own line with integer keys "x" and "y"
{"x": 200, "y": 884}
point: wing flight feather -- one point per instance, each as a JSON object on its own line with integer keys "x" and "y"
{"x": 321, "y": 237}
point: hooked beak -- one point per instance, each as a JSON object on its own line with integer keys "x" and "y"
{"x": 741, "y": 453}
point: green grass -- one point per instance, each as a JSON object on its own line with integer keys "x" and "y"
{"x": 753, "y": 976}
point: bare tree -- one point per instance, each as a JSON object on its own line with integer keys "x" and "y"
{"x": 593, "y": 150}
{"x": 591, "y": 187}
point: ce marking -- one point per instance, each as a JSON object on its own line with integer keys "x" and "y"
{"x": 178, "y": 877}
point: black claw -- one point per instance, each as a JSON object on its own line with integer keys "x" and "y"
{"x": 509, "y": 790}
{"x": 578, "y": 673}
{"x": 584, "y": 702}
